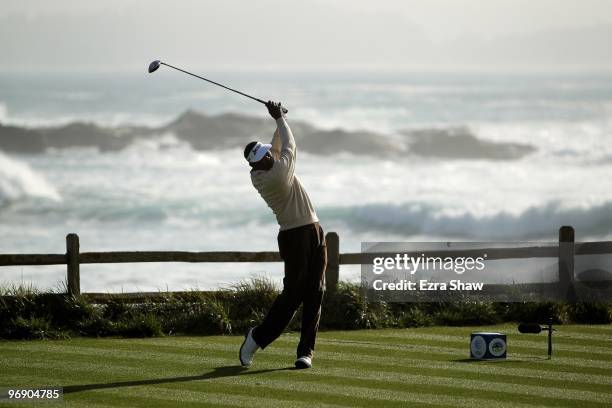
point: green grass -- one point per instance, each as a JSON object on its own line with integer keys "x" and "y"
{"x": 365, "y": 368}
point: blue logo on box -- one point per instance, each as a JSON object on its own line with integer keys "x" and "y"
{"x": 488, "y": 346}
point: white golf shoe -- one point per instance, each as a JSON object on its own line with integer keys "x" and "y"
{"x": 303, "y": 362}
{"x": 248, "y": 349}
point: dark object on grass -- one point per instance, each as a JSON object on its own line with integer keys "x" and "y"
{"x": 535, "y": 328}
{"x": 530, "y": 328}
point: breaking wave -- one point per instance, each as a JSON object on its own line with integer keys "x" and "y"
{"x": 418, "y": 219}
{"x": 19, "y": 181}
{"x": 204, "y": 132}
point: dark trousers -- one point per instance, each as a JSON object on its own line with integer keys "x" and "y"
{"x": 304, "y": 251}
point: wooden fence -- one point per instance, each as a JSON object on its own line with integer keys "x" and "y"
{"x": 73, "y": 258}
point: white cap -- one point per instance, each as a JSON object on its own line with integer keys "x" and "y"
{"x": 258, "y": 152}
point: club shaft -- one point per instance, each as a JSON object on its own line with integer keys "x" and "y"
{"x": 216, "y": 83}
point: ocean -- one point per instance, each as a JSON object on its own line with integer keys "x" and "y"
{"x": 498, "y": 157}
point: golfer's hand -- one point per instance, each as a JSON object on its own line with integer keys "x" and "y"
{"x": 275, "y": 109}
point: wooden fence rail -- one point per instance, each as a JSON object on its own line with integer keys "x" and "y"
{"x": 73, "y": 258}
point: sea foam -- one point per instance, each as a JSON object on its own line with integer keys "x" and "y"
{"x": 18, "y": 181}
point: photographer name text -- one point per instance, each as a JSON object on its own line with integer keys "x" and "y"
{"x": 425, "y": 285}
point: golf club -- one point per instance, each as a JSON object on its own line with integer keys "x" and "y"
{"x": 154, "y": 66}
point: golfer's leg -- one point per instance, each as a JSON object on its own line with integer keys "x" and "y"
{"x": 290, "y": 243}
{"x": 278, "y": 317}
{"x": 311, "y": 315}
{"x": 311, "y": 310}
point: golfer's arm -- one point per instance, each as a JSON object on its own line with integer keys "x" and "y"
{"x": 286, "y": 138}
{"x": 276, "y": 145}
{"x": 287, "y": 156}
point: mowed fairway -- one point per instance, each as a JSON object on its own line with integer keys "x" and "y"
{"x": 377, "y": 368}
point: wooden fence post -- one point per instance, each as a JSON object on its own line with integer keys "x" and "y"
{"x": 73, "y": 276}
{"x": 333, "y": 261}
{"x": 566, "y": 262}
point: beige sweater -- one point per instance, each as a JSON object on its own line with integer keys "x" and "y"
{"x": 280, "y": 187}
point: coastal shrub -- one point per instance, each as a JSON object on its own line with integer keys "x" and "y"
{"x": 414, "y": 317}
{"x": 531, "y": 312}
{"x": 32, "y": 328}
{"x": 249, "y": 301}
{"x": 139, "y": 325}
{"x": 30, "y": 314}
{"x": 209, "y": 316}
{"x": 343, "y": 309}
{"x": 26, "y": 313}
{"x": 590, "y": 313}
{"x": 466, "y": 314}
{"x": 346, "y": 309}
{"x": 97, "y": 326}
{"x": 17, "y": 301}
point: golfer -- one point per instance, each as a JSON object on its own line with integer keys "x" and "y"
{"x": 301, "y": 243}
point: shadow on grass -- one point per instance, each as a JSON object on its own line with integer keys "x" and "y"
{"x": 500, "y": 361}
{"x": 218, "y": 372}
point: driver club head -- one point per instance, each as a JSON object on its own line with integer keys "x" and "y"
{"x": 154, "y": 66}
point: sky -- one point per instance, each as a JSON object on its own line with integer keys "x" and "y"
{"x": 443, "y": 35}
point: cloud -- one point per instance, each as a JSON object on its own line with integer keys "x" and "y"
{"x": 266, "y": 34}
